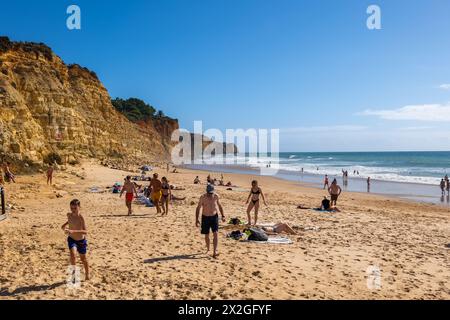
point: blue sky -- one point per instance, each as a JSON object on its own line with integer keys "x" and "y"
{"x": 309, "y": 68}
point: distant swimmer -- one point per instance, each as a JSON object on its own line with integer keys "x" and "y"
{"x": 76, "y": 233}
{"x": 129, "y": 189}
{"x": 253, "y": 202}
{"x": 335, "y": 191}
{"x": 209, "y": 205}
{"x": 156, "y": 192}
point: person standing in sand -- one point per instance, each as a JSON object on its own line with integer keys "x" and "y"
{"x": 76, "y": 233}
{"x": 208, "y": 204}
{"x": 156, "y": 192}
{"x": 255, "y": 192}
{"x": 8, "y": 174}
{"x": 130, "y": 190}
{"x": 443, "y": 186}
{"x": 335, "y": 191}
{"x": 326, "y": 182}
{"x": 166, "y": 195}
{"x": 50, "y": 171}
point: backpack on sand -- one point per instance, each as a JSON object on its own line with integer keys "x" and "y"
{"x": 257, "y": 235}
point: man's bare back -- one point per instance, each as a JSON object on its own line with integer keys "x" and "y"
{"x": 128, "y": 187}
{"x": 208, "y": 203}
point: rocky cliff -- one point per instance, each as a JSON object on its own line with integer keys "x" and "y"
{"x": 50, "y": 109}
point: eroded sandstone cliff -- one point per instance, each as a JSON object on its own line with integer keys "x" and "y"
{"x": 48, "y": 107}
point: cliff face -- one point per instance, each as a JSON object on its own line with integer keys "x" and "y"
{"x": 49, "y": 107}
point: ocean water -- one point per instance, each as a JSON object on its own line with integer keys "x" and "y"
{"x": 409, "y": 175}
{"x": 412, "y": 167}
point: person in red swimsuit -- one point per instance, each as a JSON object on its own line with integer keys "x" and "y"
{"x": 130, "y": 190}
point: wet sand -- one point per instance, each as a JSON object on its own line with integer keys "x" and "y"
{"x": 151, "y": 257}
{"x": 405, "y": 190}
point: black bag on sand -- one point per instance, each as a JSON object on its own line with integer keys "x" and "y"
{"x": 257, "y": 235}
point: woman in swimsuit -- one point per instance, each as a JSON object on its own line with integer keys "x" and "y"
{"x": 166, "y": 195}
{"x": 255, "y": 192}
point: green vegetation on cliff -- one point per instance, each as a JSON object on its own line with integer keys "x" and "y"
{"x": 136, "y": 109}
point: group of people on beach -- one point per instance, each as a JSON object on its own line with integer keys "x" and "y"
{"x": 159, "y": 192}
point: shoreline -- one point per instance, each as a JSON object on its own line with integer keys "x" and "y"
{"x": 421, "y": 193}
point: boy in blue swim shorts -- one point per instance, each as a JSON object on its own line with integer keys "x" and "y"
{"x": 75, "y": 228}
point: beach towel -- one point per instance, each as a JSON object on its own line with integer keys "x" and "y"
{"x": 326, "y": 211}
{"x": 145, "y": 201}
{"x": 274, "y": 240}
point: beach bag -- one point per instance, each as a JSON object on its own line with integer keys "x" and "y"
{"x": 235, "y": 221}
{"x": 257, "y": 235}
{"x": 236, "y": 235}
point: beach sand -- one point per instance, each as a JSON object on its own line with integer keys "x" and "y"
{"x": 146, "y": 256}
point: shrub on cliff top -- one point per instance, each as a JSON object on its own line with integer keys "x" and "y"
{"x": 137, "y": 110}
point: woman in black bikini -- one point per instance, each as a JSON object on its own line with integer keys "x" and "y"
{"x": 166, "y": 195}
{"x": 255, "y": 192}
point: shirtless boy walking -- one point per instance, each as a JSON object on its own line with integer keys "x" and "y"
{"x": 130, "y": 191}
{"x": 76, "y": 233}
{"x": 208, "y": 204}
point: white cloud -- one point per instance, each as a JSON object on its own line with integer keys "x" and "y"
{"x": 418, "y": 128}
{"x": 426, "y": 112}
{"x": 445, "y": 86}
{"x": 343, "y": 128}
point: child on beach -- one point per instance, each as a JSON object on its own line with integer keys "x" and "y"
{"x": 208, "y": 204}
{"x": 9, "y": 176}
{"x": 255, "y": 192}
{"x": 130, "y": 190}
{"x": 50, "y": 171}
{"x": 76, "y": 233}
{"x": 326, "y": 183}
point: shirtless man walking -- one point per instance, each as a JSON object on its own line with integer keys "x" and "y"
{"x": 130, "y": 190}
{"x": 209, "y": 203}
{"x": 156, "y": 192}
{"x": 335, "y": 191}
{"x": 76, "y": 233}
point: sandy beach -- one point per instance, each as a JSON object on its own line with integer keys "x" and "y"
{"x": 146, "y": 256}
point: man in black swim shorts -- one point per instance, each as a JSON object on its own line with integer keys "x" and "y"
{"x": 209, "y": 203}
